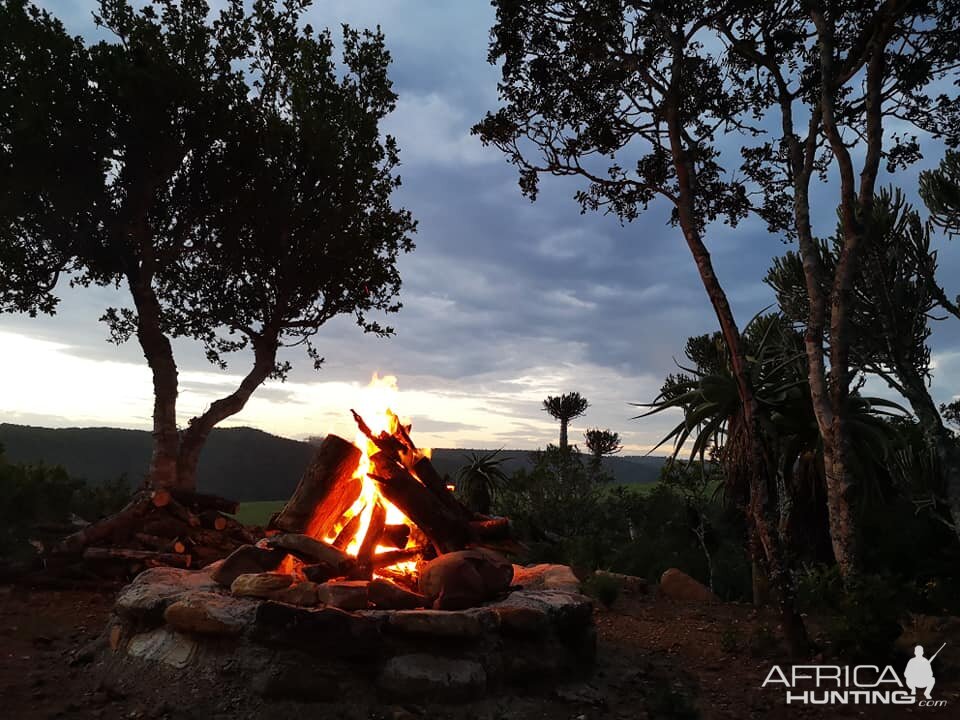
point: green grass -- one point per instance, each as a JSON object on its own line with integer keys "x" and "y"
{"x": 258, "y": 513}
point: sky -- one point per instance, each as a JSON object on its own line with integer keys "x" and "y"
{"x": 505, "y": 301}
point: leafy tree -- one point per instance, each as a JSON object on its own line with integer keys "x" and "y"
{"x": 230, "y": 174}
{"x": 602, "y": 442}
{"x": 565, "y": 408}
{"x": 894, "y": 294}
{"x": 480, "y": 480}
{"x": 629, "y": 98}
{"x": 940, "y": 190}
{"x": 832, "y": 74}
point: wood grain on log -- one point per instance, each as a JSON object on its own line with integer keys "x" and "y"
{"x": 213, "y": 520}
{"x": 326, "y": 490}
{"x": 311, "y": 550}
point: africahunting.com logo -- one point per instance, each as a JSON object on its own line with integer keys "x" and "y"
{"x": 858, "y": 684}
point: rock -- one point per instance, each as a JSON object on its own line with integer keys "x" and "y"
{"x": 153, "y": 590}
{"x": 390, "y": 596}
{"x": 462, "y": 624}
{"x": 325, "y": 630}
{"x": 302, "y": 593}
{"x": 345, "y": 594}
{"x": 523, "y": 620}
{"x": 211, "y": 614}
{"x": 465, "y": 578}
{"x": 261, "y": 585}
{"x": 246, "y": 559}
{"x": 163, "y": 645}
{"x": 677, "y": 585}
{"x": 418, "y": 676}
{"x": 546, "y": 577}
{"x": 563, "y": 609}
{"x": 629, "y": 584}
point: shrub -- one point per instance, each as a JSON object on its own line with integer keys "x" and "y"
{"x": 603, "y": 587}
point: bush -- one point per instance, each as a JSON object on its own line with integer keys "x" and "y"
{"x": 603, "y": 587}
{"x": 861, "y": 616}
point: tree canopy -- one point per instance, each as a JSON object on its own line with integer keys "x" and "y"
{"x": 225, "y": 167}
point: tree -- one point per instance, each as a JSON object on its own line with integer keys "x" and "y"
{"x": 565, "y": 408}
{"x": 841, "y": 68}
{"x": 480, "y": 480}
{"x": 894, "y": 294}
{"x": 231, "y": 177}
{"x": 602, "y": 442}
{"x": 940, "y": 190}
{"x": 629, "y": 98}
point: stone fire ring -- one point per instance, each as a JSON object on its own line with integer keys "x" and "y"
{"x": 541, "y": 631}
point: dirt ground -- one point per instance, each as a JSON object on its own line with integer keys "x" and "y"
{"x": 655, "y": 660}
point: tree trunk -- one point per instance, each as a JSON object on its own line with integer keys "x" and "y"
{"x": 779, "y": 574}
{"x": 563, "y": 434}
{"x": 195, "y": 436}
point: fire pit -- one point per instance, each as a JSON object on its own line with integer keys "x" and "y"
{"x": 373, "y": 574}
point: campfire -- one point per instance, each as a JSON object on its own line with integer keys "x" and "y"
{"x": 375, "y": 514}
{"x": 372, "y": 561}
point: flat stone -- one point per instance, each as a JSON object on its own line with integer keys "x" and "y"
{"x": 163, "y": 645}
{"x": 211, "y": 614}
{"x": 302, "y": 593}
{"x": 563, "y": 609}
{"x": 419, "y": 676}
{"x": 546, "y": 576}
{"x": 346, "y": 594}
{"x": 153, "y": 590}
{"x": 677, "y": 585}
{"x": 246, "y": 559}
{"x": 261, "y": 585}
{"x": 322, "y": 631}
{"x": 464, "y": 624}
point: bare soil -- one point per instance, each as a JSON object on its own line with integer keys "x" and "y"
{"x": 655, "y": 660}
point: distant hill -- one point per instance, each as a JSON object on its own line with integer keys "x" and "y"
{"x": 240, "y": 463}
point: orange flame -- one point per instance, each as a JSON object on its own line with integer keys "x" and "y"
{"x": 374, "y": 406}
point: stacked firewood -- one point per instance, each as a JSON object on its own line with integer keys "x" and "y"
{"x": 176, "y": 528}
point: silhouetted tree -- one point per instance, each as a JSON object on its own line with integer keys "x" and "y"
{"x": 565, "y": 408}
{"x": 832, "y": 74}
{"x": 602, "y": 442}
{"x": 629, "y": 97}
{"x": 230, "y": 174}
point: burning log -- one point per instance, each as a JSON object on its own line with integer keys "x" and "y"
{"x": 160, "y": 558}
{"x": 348, "y": 532}
{"x": 395, "y": 535}
{"x": 321, "y": 572}
{"x": 378, "y": 519}
{"x": 312, "y": 551}
{"x": 392, "y": 557}
{"x": 431, "y": 478}
{"x": 445, "y": 528}
{"x": 326, "y": 490}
